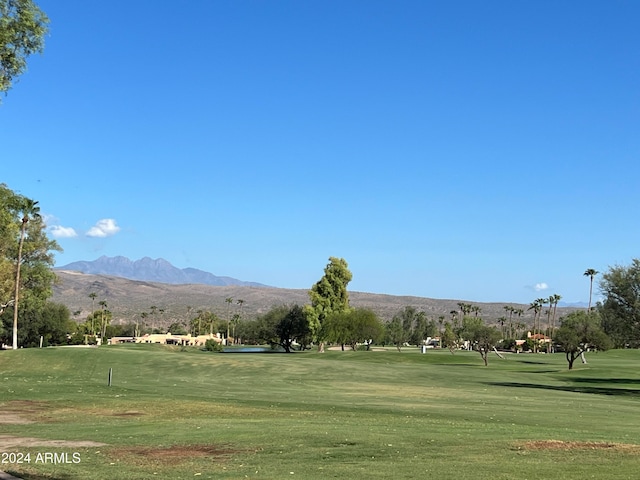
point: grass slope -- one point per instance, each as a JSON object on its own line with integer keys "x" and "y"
{"x": 180, "y": 414}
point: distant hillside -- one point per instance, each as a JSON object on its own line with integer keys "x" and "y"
{"x": 127, "y": 299}
{"x": 150, "y": 270}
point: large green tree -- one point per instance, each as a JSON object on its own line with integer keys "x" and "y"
{"x": 50, "y": 322}
{"x": 22, "y": 29}
{"x": 353, "y": 327}
{"x": 580, "y": 331}
{"x": 620, "y": 311}
{"x": 482, "y": 337}
{"x": 395, "y": 333}
{"x": 283, "y": 325}
{"x": 328, "y": 295}
{"x": 26, "y": 258}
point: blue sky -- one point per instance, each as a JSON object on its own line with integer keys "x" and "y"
{"x": 481, "y": 151}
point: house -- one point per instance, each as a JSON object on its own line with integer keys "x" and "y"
{"x": 168, "y": 339}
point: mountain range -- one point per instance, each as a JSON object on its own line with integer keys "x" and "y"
{"x": 131, "y": 287}
{"x": 152, "y": 270}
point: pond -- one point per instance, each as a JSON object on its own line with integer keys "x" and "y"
{"x": 251, "y": 350}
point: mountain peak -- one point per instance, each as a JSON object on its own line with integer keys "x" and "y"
{"x": 151, "y": 270}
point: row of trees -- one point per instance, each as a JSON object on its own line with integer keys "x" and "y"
{"x": 26, "y": 282}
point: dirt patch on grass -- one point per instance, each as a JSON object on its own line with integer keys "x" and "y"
{"x": 174, "y": 454}
{"x": 16, "y": 412}
{"x": 10, "y": 441}
{"x": 562, "y": 445}
{"x": 13, "y": 419}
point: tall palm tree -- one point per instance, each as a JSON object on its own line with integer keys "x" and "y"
{"x": 464, "y": 309}
{"x": 542, "y": 302}
{"x": 103, "y": 305}
{"x": 510, "y": 309}
{"x": 161, "y": 311}
{"x": 553, "y": 302}
{"x": 240, "y": 303}
{"x": 143, "y": 316}
{"x": 548, "y": 313}
{"x": 30, "y": 210}
{"x": 153, "y": 310}
{"x": 590, "y": 272}
{"x": 229, "y": 301}
{"x": 93, "y": 296}
{"x": 502, "y": 321}
{"x": 536, "y": 306}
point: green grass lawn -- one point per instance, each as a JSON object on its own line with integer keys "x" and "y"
{"x": 191, "y": 414}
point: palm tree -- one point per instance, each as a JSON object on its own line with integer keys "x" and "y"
{"x": 239, "y": 316}
{"x": 502, "y": 321}
{"x": 542, "y": 302}
{"x": 161, "y": 311}
{"x": 103, "y": 305}
{"x": 476, "y": 310}
{"x": 93, "y": 296}
{"x": 553, "y": 302}
{"x": 29, "y": 210}
{"x": 465, "y": 309}
{"x": 143, "y": 316}
{"x": 536, "y": 306}
{"x": 510, "y": 309}
{"x": 153, "y": 309}
{"x": 548, "y": 314}
{"x": 590, "y": 272}
{"x": 229, "y": 300}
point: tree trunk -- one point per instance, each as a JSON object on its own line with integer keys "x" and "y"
{"x": 570, "y": 358}
{"x": 17, "y": 291}
{"x": 484, "y": 354}
{"x": 321, "y": 347}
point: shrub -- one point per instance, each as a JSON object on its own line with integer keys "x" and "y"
{"x": 212, "y": 346}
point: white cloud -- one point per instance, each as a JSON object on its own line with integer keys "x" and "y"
{"x": 103, "y": 228}
{"x": 540, "y": 286}
{"x": 59, "y": 231}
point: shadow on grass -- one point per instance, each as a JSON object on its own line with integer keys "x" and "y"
{"x": 531, "y": 362}
{"x": 626, "y": 381}
{"x": 631, "y": 392}
{"x": 32, "y": 476}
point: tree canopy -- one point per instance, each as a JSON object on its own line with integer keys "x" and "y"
{"x": 328, "y": 295}
{"x": 482, "y": 337}
{"x": 580, "y": 331}
{"x": 22, "y": 29}
{"x": 620, "y": 311}
{"x": 283, "y": 325}
{"x": 352, "y": 327}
